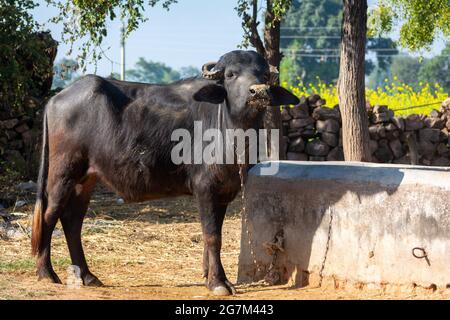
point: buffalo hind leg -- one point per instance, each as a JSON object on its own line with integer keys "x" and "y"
{"x": 211, "y": 216}
{"x": 72, "y": 221}
{"x": 65, "y": 170}
{"x": 58, "y": 193}
{"x": 44, "y": 265}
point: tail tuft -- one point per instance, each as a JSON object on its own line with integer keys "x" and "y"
{"x": 37, "y": 227}
{"x": 41, "y": 201}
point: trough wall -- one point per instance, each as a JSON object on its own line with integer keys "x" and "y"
{"x": 349, "y": 224}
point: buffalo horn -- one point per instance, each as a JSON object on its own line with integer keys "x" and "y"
{"x": 209, "y": 74}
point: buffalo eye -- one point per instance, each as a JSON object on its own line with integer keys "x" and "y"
{"x": 229, "y": 74}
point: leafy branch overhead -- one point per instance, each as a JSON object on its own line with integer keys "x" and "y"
{"x": 274, "y": 12}
{"x": 422, "y": 21}
{"x": 87, "y": 21}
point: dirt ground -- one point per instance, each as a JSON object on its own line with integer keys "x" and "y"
{"x": 151, "y": 250}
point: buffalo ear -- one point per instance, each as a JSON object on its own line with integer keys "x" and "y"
{"x": 212, "y": 93}
{"x": 281, "y": 96}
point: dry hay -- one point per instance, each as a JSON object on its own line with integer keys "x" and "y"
{"x": 151, "y": 250}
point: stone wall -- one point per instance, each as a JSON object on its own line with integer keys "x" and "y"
{"x": 20, "y": 127}
{"x": 20, "y": 136}
{"x": 313, "y": 132}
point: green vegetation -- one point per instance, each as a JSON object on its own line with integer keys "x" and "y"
{"x": 66, "y": 72}
{"x": 10, "y": 172}
{"x": 414, "y": 71}
{"x": 24, "y": 54}
{"x": 248, "y": 11}
{"x": 157, "y": 72}
{"x": 27, "y": 264}
{"x": 311, "y": 38}
{"x": 421, "y": 21}
{"x": 396, "y": 95}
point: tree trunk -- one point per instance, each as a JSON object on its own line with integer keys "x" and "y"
{"x": 272, "y": 118}
{"x": 272, "y": 37}
{"x": 351, "y": 85}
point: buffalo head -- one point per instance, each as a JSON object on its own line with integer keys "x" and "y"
{"x": 245, "y": 81}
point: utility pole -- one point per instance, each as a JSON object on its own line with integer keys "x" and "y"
{"x": 122, "y": 52}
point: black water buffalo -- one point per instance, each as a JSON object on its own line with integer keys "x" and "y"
{"x": 120, "y": 133}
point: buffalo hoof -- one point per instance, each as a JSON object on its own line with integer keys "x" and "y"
{"x": 224, "y": 289}
{"x": 48, "y": 277}
{"x": 221, "y": 291}
{"x": 92, "y": 281}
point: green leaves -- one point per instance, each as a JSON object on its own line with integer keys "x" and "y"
{"x": 248, "y": 11}
{"x": 422, "y": 21}
{"x": 380, "y": 20}
{"x": 280, "y": 8}
{"x": 25, "y": 62}
{"x": 86, "y": 22}
{"x": 242, "y": 8}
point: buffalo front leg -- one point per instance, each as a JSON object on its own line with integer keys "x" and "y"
{"x": 72, "y": 221}
{"x": 205, "y": 261}
{"x": 211, "y": 216}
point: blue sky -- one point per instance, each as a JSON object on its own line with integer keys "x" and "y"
{"x": 192, "y": 32}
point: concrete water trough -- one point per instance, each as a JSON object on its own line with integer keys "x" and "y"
{"x": 347, "y": 224}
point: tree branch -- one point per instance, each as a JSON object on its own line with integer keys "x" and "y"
{"x": 255, "y": 39}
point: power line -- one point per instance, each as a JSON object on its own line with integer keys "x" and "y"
{"x": 382, "y": 49}
{"x": 307, "y": 50}
{"x": 318, "y": 55}
{"x": 337, "y": 49}
{"x": 108, "y": 58}
{"x": 310, "y": 28}
{"x": 310, "y": 36}
{"x": 318, "y": 36}
{"x": 306, "y": 54}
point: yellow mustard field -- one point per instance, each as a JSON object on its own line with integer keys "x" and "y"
{"x": 399, "y": 97}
